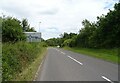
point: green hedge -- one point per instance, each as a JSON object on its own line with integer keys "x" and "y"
{"x": 16, "y": 57}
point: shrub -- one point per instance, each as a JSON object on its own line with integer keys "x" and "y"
{"x": 12, "y": 30}
{"x": 17, "y": 57}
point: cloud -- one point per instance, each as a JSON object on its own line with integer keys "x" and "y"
{"x": 51, "y": 11}
{"x": 109, "y": 5}
{"x": 56, "y": 16}
{"x": 51, "y": 32}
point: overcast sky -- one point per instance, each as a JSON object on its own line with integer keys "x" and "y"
{"x": 56, "y": 16}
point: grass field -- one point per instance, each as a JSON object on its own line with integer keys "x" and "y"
{"x": 105, "y": 54}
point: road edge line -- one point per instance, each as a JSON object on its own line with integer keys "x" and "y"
{"x": 39, "y": 67}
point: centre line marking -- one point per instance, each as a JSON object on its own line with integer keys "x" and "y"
{"x": 62, "y": 52}
{"x": 57, "y": 49}
{"x": 75, "y": 60}
{"x": 107, "y": 79}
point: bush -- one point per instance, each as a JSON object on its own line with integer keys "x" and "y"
{"x": 17, "y": 57}
{"x": 12, "y": 30}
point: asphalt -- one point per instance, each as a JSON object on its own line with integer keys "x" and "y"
{"x": 62, "y": 65}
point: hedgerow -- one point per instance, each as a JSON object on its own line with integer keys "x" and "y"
{"x": 16, "y": 57}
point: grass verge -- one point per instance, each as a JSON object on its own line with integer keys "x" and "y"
{"x": 18, "y": 59}
{"x": 0, "y": 61}
{"x": 29, "y": 73}
{"x": 110, "y": 55}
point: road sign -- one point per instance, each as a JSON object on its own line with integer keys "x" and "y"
{"x": 33, "y": 36}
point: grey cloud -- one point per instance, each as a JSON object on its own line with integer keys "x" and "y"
{"x": 53, "y": 28}
{"x": 16, "y": 9}
{"x": 49, "y": 12}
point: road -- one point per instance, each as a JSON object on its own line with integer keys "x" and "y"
{"x": 62, "y": 65}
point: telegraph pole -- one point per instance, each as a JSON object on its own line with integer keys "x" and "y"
{"x": 39, "y": 32}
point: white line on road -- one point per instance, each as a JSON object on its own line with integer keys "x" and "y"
{"x": 62, "y": 52}
{"x": 107, "y": 79}
{"x": 38, "y": 71}
{"x": 57, "y": 49}
{"x": 75, "y": 60}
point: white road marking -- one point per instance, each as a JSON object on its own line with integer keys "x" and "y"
{"x": 38, "y": 71}
{"x": 107, "y": 79}
{"x": 62, "y": 52}
{"x": 75, "y": 60}
{"x": 57, "y": 49}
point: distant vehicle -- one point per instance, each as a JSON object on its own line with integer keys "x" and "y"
{"x": 58, "y": 46}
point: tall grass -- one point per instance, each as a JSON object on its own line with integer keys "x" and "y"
{"x": 111, "y": 55}
{"x": 16, "y": 57}
{"x": 0, "y": 61}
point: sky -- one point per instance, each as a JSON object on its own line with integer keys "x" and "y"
{"x": 54, "y": 17}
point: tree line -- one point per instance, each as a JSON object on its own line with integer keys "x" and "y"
{"x": 104, "y": 33}
{"x": 12, "y": 29}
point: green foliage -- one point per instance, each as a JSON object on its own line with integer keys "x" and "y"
{"x": 30, "y": 29}
{"x": 12, "y": 30}
{"x": 73, "y": 42}
{"x": 102, "y": 34}
{"x": 63, "y": 40}
{"x": 67, "y": 42}
{"x": 43, "y": 44}
{"x": 85, "y": 34}
{"x": 1, "y": 28}
{"x": 105, "y": 54}
{"x": 26, "y": 26}
{"x": 52, "y": 42}
{"x": 16, "y": 57}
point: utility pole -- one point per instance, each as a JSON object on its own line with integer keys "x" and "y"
{"x": 39, "y": 32}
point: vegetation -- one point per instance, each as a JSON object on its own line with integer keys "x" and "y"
{"x": 16, "y": 57}
{"x": 12, "y": 30}
{"x": 28, "y": 74}
{"x": 105, "y": 54}
{"x": 17, "y": 54}
{"x": 26, "y": 26}
{"x": 0, "y": 61}
{"x": 102, "y": 34}
{"x": 99, "y": 39}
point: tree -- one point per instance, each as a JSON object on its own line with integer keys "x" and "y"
{"x": 73, "y": 41}
{"x": 67, "y": 42}
{"x": 30, "y": 29}
{"x": 102, "y": 34}
{"x": 85, "y": 34}
{"x": 1, "y": 28}
{"x": 108, "y": 30}
{"x": 25, "y": 25}
{"x": 12, "y": 30}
